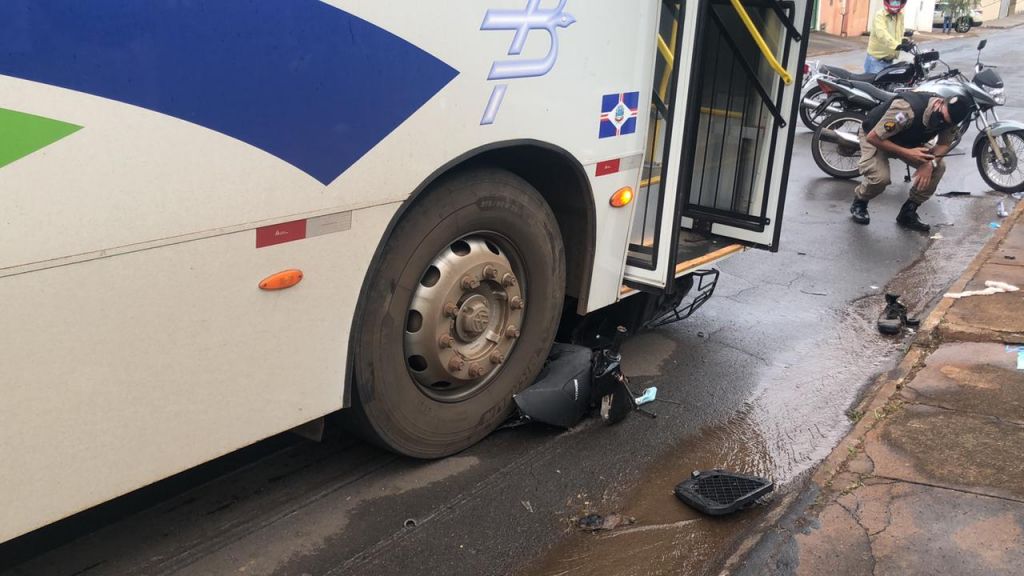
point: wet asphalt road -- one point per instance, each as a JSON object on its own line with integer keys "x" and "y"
{"x": 760, "y": 381}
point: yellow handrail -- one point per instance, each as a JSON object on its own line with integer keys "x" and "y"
{"x": 669, "y": 57}
{"x": 761, "y": 43}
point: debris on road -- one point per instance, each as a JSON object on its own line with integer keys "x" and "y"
{"x": 1001, "y": 209}
{"x": 576, "y": 379}
{"x": 991, "y": 287}
{"x": 610, "y": 384}
{"x": 561, "y": 396}
{"x": 937, "y": 236}
{"x": 717, "y": 492}
{"x": 894, "y": 316}
{"x": 647, "y": 396}
{"x": 994, "y": 225}
{"x": 597, "y": 522}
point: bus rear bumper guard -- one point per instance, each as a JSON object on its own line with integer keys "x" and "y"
{"x": 705, "y": 282}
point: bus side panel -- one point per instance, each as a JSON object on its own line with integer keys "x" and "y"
{"x": 121, "y": 371}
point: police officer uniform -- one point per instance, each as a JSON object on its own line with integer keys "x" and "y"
{"x": 908, "y": 122}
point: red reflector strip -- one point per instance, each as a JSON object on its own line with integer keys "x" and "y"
{"x": 607, "y": 167}
{"x": 280, "y": 233}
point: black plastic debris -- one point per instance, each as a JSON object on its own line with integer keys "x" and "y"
{"x": 597, "y": 522}
{"x": 894, "y": 316}
{"x": 561, "y": 396}
{"x": 717, "y": 492}
{"x": 610, "y": 384}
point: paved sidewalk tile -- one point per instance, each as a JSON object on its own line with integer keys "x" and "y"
{"x": 972, "y": 377}
{"x": 994, "y": 317}
{"x": 905, "y": 529}
{"x": 951, "y": 449}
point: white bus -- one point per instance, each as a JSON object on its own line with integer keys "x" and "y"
{"x": 223, "y": 219}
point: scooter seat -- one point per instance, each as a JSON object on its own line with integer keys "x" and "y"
{"x": 846, "y": 74}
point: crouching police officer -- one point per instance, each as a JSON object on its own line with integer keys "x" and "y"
{"x": 902, "y": 128}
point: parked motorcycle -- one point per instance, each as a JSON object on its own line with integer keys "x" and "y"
{"x": 998, "y": 148}
{"x": 900, "y": 75}
{"x": 835, "y": 146}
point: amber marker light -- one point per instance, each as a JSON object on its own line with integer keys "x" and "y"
{"x": 622, "y": 197}
{"x": 281, "y": 280}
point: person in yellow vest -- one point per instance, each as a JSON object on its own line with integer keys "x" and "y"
{"x": 886, "y": 36}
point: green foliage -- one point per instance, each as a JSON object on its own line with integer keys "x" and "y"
{"x": 961, "y": 7}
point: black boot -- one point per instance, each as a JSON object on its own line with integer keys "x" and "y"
{"x": 859, "y": 211}
{"x": 908, "y": 217}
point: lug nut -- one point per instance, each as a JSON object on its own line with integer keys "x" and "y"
{"x": 490, "y": 272}
{"x": 456, "y": 364}
{"x": 516, "y": 303}
{"x": 475, "y": 371}
{"x": 451, "y": 310}
{"x": 469, "y": 283}
{"x": 512, "y": 332}
{"x": 446, "y": 341}
{"x": 497, "y": 358}
{"x": 508, "y": 280}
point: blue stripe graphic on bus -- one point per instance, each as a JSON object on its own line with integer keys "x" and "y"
{"x": 309, "y": 83}
{"x": 618, "y": 114}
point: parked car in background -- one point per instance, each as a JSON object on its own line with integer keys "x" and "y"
{"x": 961, "y": 22}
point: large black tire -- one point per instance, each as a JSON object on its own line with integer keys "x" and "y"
{"x": 963, "y": 24}
{"x": 1012, "y": 176}
{"x": 391, "y": 407}
{"x": 810, "y": 121}
{"x": 849, "y": 154}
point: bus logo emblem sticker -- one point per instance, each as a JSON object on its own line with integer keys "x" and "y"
{"x": 618, "y": 114}
{"x": 522, "y": 21}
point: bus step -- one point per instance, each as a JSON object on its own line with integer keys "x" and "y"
{"x": 705, "y": 282}
{"x": 717, "y": 492}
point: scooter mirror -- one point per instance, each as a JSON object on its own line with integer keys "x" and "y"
{"x": 981, "y": 45}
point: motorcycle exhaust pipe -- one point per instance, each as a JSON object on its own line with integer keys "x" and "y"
{"x": 811, "y": 104}
{"x": 834, "y": 137}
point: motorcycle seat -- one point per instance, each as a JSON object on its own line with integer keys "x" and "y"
{"x": 845, "y": 74}
{"x": 874, "y": 91}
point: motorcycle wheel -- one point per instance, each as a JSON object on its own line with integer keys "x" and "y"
{"x": 806, "y": 114}
{"x": 839, "y": 160}
{"x": 1006, "y": 176}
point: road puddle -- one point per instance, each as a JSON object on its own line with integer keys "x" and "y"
{"x": 668, "y": 536}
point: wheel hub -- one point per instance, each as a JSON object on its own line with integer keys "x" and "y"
{"x": 1009, "y": 164}
{"x": 464, "y": 318}
{"x": 473, "y": 318}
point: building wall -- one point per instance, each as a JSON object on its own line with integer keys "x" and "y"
{"x": 830, "y": 16}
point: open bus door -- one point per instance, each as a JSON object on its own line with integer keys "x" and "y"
{"x": 720, "y": 136}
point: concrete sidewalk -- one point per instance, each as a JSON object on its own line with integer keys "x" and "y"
{"x": 1008, "y": 22}
{"x": 931, "y": 478}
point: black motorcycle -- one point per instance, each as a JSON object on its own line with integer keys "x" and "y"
{"x": 900, "y": 75}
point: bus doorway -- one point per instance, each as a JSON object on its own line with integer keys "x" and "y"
{"x": 719, "y": 136}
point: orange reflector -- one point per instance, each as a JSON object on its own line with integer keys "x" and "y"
{"x": 281, "y": 280}
{"x": 622, "y": 197}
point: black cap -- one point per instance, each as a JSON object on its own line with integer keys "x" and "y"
{"x": 959, "y": 108}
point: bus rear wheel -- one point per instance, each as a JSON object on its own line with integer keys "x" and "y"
{"x": 459, "y": 314}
